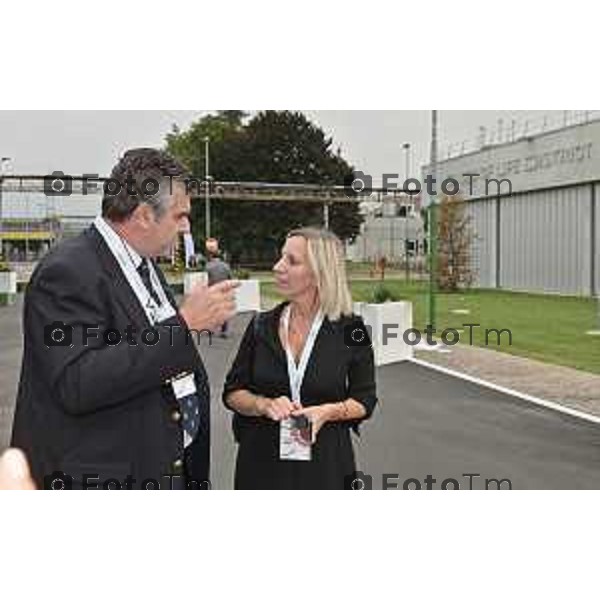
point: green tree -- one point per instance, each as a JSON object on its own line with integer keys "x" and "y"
{"x": 274, "y": 147}
{"x": 189, "y": 146}
{"x": 455, "y": 238}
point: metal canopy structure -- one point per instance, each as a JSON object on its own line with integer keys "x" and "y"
{"x": 252, "y": 191}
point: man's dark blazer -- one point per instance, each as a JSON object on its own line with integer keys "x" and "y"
{"x": 98, "y": 409}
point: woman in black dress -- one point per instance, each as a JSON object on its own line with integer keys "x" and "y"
{"x": 316, "y": 329}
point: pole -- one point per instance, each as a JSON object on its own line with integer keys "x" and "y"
{"x": 594, "y": 287}
{"x": 1, "y": 216}
{"x": 27, "y": 230}
{"x": 326, "y": 215}
{"x": 392, "y": 217}
{"x": 207, "y": 187}
{"x": 431, "y": 223}
{"x": 406, "y": 148}
{"x": 4, "y": 160}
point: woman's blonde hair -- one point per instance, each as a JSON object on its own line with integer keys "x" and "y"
{"x": 327, "y": 261}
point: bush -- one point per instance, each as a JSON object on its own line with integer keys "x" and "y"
{"x": 241, "y": 274}
{"x": 4, "y": 268}
{"x": 382, "y": 293}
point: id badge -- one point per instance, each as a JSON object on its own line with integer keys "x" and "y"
{"x": 182, "y": 387}
{"x": 292, "y": 445}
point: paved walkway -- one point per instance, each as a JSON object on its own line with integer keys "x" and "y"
{"x": 569, "y": 387}
{"x": 429, "y": 426}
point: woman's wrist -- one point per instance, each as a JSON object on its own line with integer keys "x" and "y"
{"x": 260, "y": 405}
{"x": 336, "y": 411}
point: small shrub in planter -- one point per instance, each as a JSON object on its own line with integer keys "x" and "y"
{"x": 382, "y": 294}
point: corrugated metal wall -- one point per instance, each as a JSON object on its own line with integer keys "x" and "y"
{"x": 483, "y": 249}
{"x": 545, "y": 241}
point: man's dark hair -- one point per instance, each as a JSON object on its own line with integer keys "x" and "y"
{"x": 140, "y": 165}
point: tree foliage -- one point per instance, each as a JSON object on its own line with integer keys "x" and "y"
{"x": 272, "y": 147}
{"x": 455, "y": 237}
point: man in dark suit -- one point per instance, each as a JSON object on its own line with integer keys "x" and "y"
{"x": 113, "y": 393}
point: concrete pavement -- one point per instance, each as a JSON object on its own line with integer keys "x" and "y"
{"x": 428, "y": 426}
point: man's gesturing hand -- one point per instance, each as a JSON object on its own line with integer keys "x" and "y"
{"x": 209, "y": 307}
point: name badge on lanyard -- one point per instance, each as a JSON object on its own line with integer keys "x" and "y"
{"x": 292, "y": 445}
{"x": 184, "y": 386}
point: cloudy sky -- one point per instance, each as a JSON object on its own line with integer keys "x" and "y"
{"x": 77, "y": 142}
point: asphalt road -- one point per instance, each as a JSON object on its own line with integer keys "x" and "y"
{"x": 430, "y": 429}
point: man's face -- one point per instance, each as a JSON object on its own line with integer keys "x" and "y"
{"x": 161, "y": 233}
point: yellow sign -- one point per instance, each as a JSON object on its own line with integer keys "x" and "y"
{"x": 25, "y": 235}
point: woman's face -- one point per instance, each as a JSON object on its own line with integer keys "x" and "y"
{"x": 293, "y": 275}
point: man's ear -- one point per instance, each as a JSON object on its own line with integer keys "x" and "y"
{"x": 144, "y": 215}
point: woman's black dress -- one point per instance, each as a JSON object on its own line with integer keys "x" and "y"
{"x": 336, "y": 371}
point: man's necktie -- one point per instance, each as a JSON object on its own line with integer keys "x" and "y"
{"x": 190, "y": 422}
{"x": 194, "y": 410}
{"x": 144, "y": 271}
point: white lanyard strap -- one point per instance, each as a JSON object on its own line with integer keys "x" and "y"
{"x": 296, "y": 373}
{"x": 154, "y": 312}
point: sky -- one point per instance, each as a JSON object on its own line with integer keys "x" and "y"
{"x": 77, "y": 142}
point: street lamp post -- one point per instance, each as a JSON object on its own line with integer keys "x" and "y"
{"x": 4, "y": 160}
{"x": 431, "y": 222}
{"x": 406, "y": 148}
{"x": 207, "y": 187}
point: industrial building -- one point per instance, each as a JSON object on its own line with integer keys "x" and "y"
{"x": 543, "y": 234}
{"x": 393, "y": 229}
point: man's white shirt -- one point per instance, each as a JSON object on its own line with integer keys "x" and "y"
{"x": 129, "y": 260}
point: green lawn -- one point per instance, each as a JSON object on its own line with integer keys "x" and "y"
{"x": 548, "y": 328}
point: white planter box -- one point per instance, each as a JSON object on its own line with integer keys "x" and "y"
{"x": 8, "y": 282}
{"x": 192, "y": 278}
{"x": 388, "y": 322}
{"x": 247, "y": 296}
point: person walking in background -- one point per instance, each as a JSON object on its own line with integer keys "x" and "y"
{"x": 218, "y": 271}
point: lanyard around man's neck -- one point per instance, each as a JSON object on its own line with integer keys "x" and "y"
{"x": 155, "y": 313}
